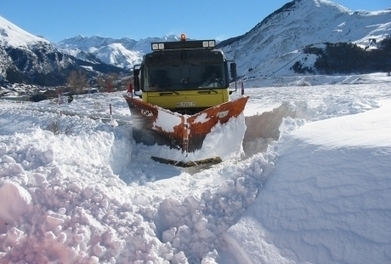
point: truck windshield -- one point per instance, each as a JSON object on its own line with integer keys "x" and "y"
{"x": 185, "y": 70}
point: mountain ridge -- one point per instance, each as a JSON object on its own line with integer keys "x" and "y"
{"x": 286, "y": 32}
{"x": 301, "y": 23}
{"x": 30, "y": 59}
{"x": 277, "y": 46}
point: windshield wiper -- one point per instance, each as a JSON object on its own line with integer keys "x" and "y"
{"x": 208, "y": 91}
{"x": 170, "y": 92}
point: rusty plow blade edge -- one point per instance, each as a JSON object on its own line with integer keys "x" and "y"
{"x": 188, "y": 132}
{"x": 187, "y": 164}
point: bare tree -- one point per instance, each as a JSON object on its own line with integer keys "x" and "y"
{"x": 101, "y": 83}
{"x": 112, "y": 80}
{"x": 108, "y": 80}
{"x": 76, "y": 81}
{"x": 125, "y": 83}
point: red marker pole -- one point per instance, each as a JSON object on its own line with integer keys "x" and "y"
{"x": 109, "y": 91}
{"x": 110, "y": 107}
{"x": 130, "y": 89}
{"x": 59, "y": 102}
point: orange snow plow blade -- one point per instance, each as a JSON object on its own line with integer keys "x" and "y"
{"x": 186, "y": 164}
{"x": 156, "y": 125}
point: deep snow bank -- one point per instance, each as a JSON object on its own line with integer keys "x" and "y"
{"x": 327, "y": 200}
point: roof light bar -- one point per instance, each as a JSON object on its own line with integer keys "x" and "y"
{"x": 191, "y": 44}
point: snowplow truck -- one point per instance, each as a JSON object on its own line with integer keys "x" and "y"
{"x": 181, "y": 91}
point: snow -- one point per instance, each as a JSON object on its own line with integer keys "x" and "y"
{"x": 311, "y": 184}
{"x": 14, "y": 36}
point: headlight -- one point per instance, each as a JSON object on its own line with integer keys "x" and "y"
{"x": 157, "y": 46}
{"x": 208, "y": 44}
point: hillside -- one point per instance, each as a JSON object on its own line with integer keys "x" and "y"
{"x": 273, "y": 46}
{"x": 303, "y": 37}
{"x": 279, "y": 44}
{"x": 26, "y": 58}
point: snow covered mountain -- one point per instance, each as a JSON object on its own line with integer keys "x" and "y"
{"x": 302, "y": 37}
{"x": 124, "y": 52}
{"x": 278, "y": 45}
{"x": 32, "y": 59}
{"x": 274, "y": 45}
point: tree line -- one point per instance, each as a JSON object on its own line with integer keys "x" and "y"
{"x": 78, "y": 83}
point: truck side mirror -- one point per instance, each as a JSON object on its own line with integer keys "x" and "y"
{"x": 232, "y": 67}
{"x": 136, "y": 78}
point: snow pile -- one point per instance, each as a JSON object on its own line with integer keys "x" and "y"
{"x": 315, "y": 187}
{"x": 329, "y": 196}
{"x": 21, "y": 201}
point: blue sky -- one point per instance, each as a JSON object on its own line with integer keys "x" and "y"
{"x": 58, "y": 19}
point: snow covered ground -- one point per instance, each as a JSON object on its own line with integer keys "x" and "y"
{"x": 312, "y": 183}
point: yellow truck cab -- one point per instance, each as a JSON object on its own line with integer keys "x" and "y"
{"x": 185, "y": 76}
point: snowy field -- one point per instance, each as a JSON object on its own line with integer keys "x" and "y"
{"x": 312, "y": 183}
